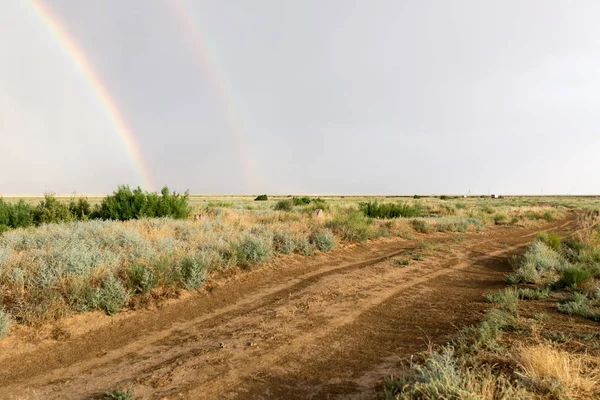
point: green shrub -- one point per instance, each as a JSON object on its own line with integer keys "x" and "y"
{"x": 128, "y": 394}
{"x": 80, "y": 209}
{"x": 126, "y": 204}
{"x": 352, "y": 226}
{"x": 112, "y": 296}
{"x": 19, "y": 215}
{"x": 283, "y": 242}
{"x": 261, "y": 197}
{"x": 573, "y": 275}
{"x": 4, "y": 323}
{"x": 284, "y": 205}
{"x": 194, "y": 270}
{"x": 390, "y": 210}
{"x": 141, "y": 279}
{"x": 301, "y": 201}
{"x": 319, "y": 203}
{"x": 551, "y": 240}
{"x": 252, "y": 250}
{"x": 51, "y": 210}
{"x": 323, "y": 240}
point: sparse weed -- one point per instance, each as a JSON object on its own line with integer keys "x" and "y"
{"x": 118, "y": 394}
{"x": 507, "y": 299}
{"x": 4, "y": 323}
{"x": 533, "y": 294}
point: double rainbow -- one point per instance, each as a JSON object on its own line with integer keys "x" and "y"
{"x": 207, "y": 61}
{"x": 102, "y": 94}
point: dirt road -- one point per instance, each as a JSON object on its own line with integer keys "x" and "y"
{"x": 323, "y": 327}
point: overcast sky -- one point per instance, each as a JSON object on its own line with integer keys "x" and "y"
{"x": 311, "y": 96}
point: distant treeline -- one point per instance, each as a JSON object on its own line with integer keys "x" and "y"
{"x": 124, "y": 204}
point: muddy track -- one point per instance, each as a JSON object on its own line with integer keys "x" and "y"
{"x": 324, "y": 327}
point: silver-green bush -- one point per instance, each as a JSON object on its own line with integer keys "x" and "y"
{"x": 323, "y": 240}
{"x": 194, "y": 270}
{"x": 283, "y": 242}
{"x": 112, "y": 296}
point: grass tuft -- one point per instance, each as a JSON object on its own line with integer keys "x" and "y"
{"x": 545, "y": 365}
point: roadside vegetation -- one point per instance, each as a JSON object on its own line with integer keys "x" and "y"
{"x": 124, "y": 204}
{"x": 133, "y": 248}
{"x": 540, "y": 339}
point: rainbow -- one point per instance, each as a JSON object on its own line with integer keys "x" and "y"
{"x": 109, "y": 105}
{"x": 222, "y": 88}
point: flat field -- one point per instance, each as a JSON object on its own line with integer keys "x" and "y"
{"x": 274, "y": 299}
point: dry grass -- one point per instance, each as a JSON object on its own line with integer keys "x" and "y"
{"x": 578, "y": 373}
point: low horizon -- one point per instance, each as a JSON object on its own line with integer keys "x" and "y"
{"x": 411, "y": 195}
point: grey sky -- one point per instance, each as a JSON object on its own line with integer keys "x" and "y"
{"x": 390, "y": 97}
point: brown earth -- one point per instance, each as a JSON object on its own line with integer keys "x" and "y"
{"x": 324, "y": 327}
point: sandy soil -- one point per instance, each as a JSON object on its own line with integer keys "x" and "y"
{"x": 329, "y": 326}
